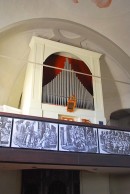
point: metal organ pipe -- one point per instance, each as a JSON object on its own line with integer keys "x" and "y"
{"x": 64, "y": 85}
{"x": 65, "y": 89}
{"x": 53, "y": 92}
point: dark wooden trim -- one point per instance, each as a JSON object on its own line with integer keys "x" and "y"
{"x": 11, "y": 155}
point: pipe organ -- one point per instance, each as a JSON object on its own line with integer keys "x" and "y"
{"x": 50, "y": 100}
{"x": 64, "y": 85}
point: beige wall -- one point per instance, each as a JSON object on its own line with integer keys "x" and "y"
{"x": 10, "y": 182}
{"x": 92, "y": 183}
{"x": 120, "y": 184}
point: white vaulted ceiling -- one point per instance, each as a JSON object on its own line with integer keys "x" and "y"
{"x": 83, "y": 24}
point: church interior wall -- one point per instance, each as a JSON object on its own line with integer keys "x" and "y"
{"x": 120, "y": 184}
{"x": 10, "y": 181}
{"x": 94, "y": 183}
{"x": 115, "y": 86}
{"x": 90, "y": 182}
{"x": 115, "y": 95}
{"x": 102, "y": 183}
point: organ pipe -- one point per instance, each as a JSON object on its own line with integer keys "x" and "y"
{"x": 64, "y": 85}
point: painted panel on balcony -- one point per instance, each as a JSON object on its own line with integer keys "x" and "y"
{"x": 78, "y": 138}
{"x": 5, "y": 131}
{"x": 35, "y": 134}
{"x": 114, "y": 142}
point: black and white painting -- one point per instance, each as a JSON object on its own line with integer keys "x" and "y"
{"x": 114, "y": 142}
{"x": 5, "y": 131}
{"x": 35, "y": 134}
{"x": 78, "y": 138}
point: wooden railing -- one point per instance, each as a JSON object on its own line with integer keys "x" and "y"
{"x": 29, "y": 134}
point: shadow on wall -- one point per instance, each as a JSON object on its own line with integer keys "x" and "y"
{"x": 120, "y": 118}
{"x": 111, "y": 97}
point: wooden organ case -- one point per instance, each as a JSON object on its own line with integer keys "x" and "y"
{"x": 50, "y": 100}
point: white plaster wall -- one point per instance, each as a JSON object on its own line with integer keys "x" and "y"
{"x": 115, "y": 84}
{"x": 92, "y": 183}
{"x": 107, "y": 22}
{"x": 52, "y": 111}
{"x": 10, "y": 109}
{"x": 32, "y": 90}
{"x": 10, "y": 182}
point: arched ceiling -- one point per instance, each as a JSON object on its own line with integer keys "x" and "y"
{"x": 112, "y": 22}
{"x": 83, "y": 25}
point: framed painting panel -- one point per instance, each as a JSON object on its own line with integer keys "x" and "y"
{"x": 5, "y": 131}
{"x": 114, "y": 141}
{"x": 35, "y": 135}
{"x": 78, "y": 138}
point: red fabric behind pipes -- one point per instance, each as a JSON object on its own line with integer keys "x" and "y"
{"x": 77, "y": 65}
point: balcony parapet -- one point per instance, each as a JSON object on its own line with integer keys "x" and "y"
{"x": 38, "y": 140}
